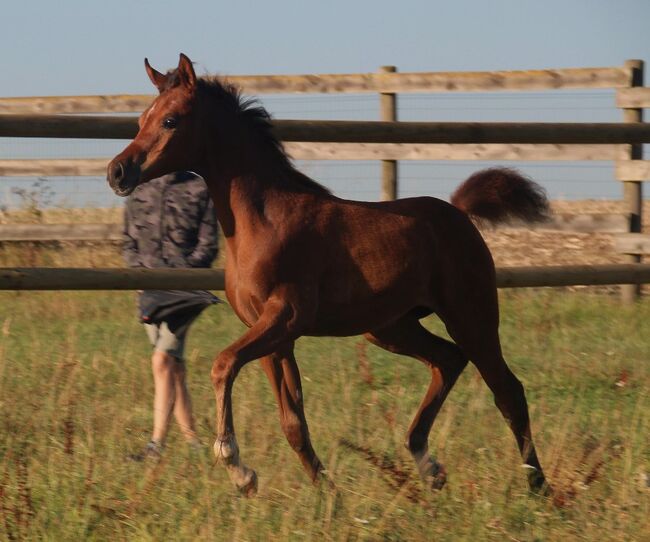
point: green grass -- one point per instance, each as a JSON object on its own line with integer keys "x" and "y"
{"x": 75, "y": 400}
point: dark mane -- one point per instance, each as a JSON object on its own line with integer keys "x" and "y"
{"x": 258, "y": 121}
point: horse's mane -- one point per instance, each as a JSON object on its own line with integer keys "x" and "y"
{"x": 258, "y": 120}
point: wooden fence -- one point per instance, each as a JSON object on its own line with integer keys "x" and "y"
{"x": 387, "y": 141}
{"x": 353, "y": 131}
{"x": 214, "y": 279}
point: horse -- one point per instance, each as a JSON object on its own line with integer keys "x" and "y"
{"x": 303, "y": 262}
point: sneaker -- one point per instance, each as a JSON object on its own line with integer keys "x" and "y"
{"x": 152, "y": 452}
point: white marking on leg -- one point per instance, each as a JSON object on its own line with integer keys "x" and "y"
{"x": 227, "y": 450}
{"x": 432, "y": 473}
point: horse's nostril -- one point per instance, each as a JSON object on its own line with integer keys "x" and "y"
{"x": 117, "y": 177}
{"x": 118, "y": 172}
{"x": 123, "y": 176}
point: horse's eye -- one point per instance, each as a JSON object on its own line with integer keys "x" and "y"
{"x": 169, "y": 123}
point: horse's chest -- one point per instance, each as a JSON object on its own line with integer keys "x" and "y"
{"x": 244, "y": 305}
{"x": 245, "y": 294}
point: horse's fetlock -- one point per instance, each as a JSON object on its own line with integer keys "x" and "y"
{"x": 226, "y": 450}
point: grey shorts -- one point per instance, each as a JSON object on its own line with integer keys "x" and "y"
{"x": 165, "y": 340}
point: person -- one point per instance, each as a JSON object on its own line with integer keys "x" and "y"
{"x": 169, "y": 222}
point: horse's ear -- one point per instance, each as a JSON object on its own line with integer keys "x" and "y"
{"x": 186, "y": 71}
{"x": 158, "y": 79}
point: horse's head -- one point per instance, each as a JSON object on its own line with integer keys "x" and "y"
{"x": 168, "y": 139}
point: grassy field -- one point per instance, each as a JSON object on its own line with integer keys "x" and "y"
{"x": 75, "y": 394}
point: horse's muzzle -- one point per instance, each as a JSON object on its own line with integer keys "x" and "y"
{"x": 123, "y": 176}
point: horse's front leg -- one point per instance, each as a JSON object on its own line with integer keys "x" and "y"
{"x": 282, "y": 370}
{"x": 275, "y": 326}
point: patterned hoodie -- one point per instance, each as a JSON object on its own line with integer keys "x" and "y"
{"x": 170, "y": 222}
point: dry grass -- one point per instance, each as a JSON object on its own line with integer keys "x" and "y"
{"x": 75, "y": 392}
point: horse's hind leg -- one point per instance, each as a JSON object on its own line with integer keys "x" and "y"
{"x": 510, "y": 399}
{"x": 282, "y": 371}
{"x": 479, "y": 339}
{"x": 445, "y": 361}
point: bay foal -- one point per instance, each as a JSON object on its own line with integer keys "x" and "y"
{"x": 300, "y": 261}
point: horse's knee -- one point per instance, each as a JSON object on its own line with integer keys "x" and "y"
{"x": 221, "y": 369}
{"x": 217, "y": 374}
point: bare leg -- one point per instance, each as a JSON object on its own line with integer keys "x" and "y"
{"x": 271, "y": 332}
{"x": 445, "y": 361}
{"x": 283, "y": 373}
{"x": 162, "y": 367}
{"x": 183, "y": 403}
{"x": 170, "y": 395}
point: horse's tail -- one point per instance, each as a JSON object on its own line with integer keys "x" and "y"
{"x": 499, "y": 195}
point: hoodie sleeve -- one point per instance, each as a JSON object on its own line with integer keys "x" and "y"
{"x": 207, "y": 248}
{"x": 129, "y": 243}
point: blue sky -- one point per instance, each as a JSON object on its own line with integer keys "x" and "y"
{"x": 73, "y": 47}
{"x": 78, "y": 47}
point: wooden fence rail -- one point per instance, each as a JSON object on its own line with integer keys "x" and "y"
{"x": 214, "y": 279}
{"x": 53, "y": 167}
{"x": 633, "y": 98}
{"x": 361, "y": 83}
{"x": 60, "y": 232}
{"x": 632, "y": 243}
{"x": 343, "y": 131}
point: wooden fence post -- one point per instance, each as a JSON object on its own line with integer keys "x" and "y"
{"x": 388, "y": 104}
{"x": 633, "y": 190}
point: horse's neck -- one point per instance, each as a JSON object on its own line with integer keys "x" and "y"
{"x": 241, "y": 203}
{"x": 248, "y": 204}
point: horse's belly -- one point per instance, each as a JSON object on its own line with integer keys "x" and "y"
{"x": 352, "y": 321}
{"x": 357, "y": 299}
{"x": 363, "y": 313}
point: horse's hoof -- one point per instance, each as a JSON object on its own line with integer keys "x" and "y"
{"x": 542, "y": 490}
{"x": 434, "y": 475}
{"x": 249, "y": 487}
{"x": 438, "y": 477}
{"x": 538, "y": 484}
